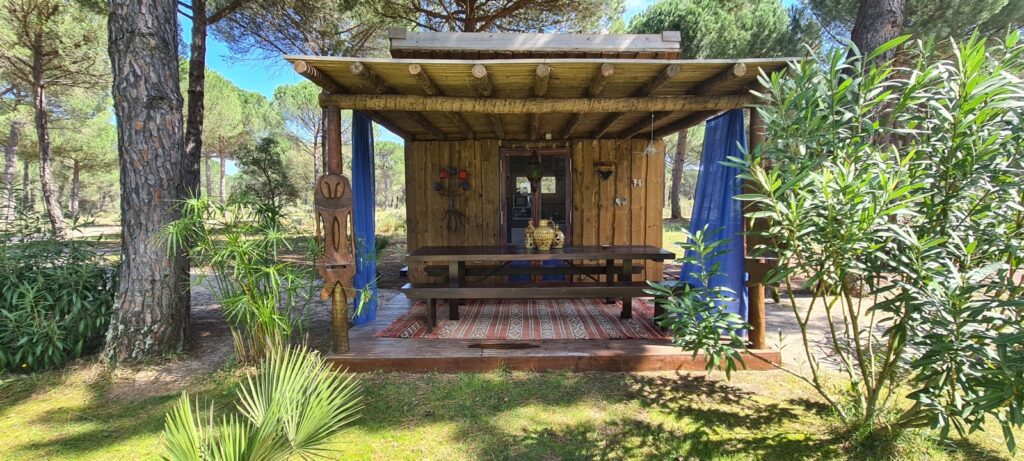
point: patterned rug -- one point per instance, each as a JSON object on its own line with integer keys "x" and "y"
{"x": 530, "y": 319}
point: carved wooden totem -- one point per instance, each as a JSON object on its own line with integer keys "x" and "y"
{"x": 334, "y": 211}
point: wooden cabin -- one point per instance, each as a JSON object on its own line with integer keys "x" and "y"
{"x": 584, "y": 114}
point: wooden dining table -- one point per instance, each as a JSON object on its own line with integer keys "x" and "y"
{"x": 617, "y": 269}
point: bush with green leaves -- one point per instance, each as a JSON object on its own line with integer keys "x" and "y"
{"x": 899, "y": 194}
{"x": 292, "y": 408}
{"x": 695, "y": 312}
{"x": 263, "y": 294}
{"x": 56, "y": 296}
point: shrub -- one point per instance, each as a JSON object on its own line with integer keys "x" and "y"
{"x": 56, "y": 297}
{"x": 391, "y": 221}
{"x": 291, "y": 408}
{"x": 695, "y": 311}
{"x": 263, "y": 295}
{"x": 906, "y": 185}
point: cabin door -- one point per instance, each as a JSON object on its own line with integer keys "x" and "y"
{"x": 536, "y": 184}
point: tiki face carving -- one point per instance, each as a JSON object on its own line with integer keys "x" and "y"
{"x": 334, "y": 211}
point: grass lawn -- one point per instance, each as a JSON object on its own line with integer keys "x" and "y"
{"x": 84, "y": 414}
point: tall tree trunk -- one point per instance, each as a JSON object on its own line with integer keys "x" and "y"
{"x": 678, "y": 164}
{"x": 223, "y": 173}
{"x": 151, "y": 317}
{"x": 10, "y": 151}
{"x": 196, "y": 95}
{"x": 878, "y": 21}
{"x": 209, "y": 176}
{"x": 52, "y": 205}
{"x": 27, "y": 201}
{"x": 76, "y": 187}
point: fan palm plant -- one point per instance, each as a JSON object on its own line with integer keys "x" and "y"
{"x": 293, "y": 406}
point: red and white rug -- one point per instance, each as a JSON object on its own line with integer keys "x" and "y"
{"x": 530, "y": 319}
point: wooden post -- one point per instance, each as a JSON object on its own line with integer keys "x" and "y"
{"x": 339, "y": 320}
{"x": 755, "y": 287}
{"x": 339, "y": 302}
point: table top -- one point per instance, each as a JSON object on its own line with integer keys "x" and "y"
{"x": 515, "y": 253}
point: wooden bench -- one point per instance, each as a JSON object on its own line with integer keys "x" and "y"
{"x": 490, "y": 270}
{"x": 433, "y": 292}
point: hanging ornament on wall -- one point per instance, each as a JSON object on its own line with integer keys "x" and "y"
{"x": 453, "y": 183}
{"x": 651, "y": 148}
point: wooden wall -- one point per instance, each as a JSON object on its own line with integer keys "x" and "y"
{"x": 596, "y": 219}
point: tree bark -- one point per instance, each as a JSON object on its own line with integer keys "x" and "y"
{"x": 678, "y": 164}
{"x": 27, "y": 201}
{"x": 209, "y": 176}
{"x": 76, "y": 187}
{"x": 52, "y": 205}
{"x": 222, "y": 156}
{"x": 10, "y": 152}
{"x": 878, "y": 21}
{"x": 196, "y": 95}
{"x": 151, "y": 317}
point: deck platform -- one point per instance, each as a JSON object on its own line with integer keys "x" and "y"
{"x": 369, "y": 353}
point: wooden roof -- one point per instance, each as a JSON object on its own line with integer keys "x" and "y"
{"x": 486, "y": 45}
{"x": 535, "y": 99}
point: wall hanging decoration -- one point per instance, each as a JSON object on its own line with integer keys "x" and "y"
{"x": 620, "y": 201}
{"x": 453, "y": 183}
{"x": 604, "y": 169}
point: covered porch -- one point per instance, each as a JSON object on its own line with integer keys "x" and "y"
{"x": 594, "y": 106}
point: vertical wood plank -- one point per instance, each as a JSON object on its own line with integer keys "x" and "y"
{"x": 620, "y": 226}
{"x": 655, "y": 203}
{"x": 638, "y": 202}
{"x": 606, "y": 204}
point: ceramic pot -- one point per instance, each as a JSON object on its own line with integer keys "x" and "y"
{"x": 528, "y": 236}
{"x": 559, "y": 240}
{"x": 544, "y": 235}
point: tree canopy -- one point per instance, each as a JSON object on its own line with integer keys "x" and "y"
{"x": 937, "y": 19}
{"x": 730, "y": 28}
{"x": 490, "y": 16}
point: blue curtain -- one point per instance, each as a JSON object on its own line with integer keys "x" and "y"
{"x": 715, "y": 207}
{"x": 364, "y": 197}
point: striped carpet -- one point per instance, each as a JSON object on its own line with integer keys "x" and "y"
{"x": 529, "y": 319}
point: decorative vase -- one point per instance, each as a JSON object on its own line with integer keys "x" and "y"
{"x": 528, "y": 236}
{"x": 559, "y": 240}
{"x": 544, "y": 235}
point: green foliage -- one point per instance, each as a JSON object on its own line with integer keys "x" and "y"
{"x": 391, "y": 221}
{"x": 562, "y": 16}
{"x": 56, "y": 297}
{"x": 265, "y": 182}
{"x": 937, "y": 19}
{"x": 695, "y": 313}
{"x": 906, "y": 185}
{"x": 729, "y": 28}
{"x": 291, "y": 409}
{"x": 263, "y": 296}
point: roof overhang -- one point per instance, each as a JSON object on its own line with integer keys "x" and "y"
{"x": 487, "y": 45}
{"x": 536, "y": 99}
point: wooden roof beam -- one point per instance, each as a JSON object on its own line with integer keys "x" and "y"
{"x": 571, "y": 125}
{"x": 314, "y": 75}
{"x": 643, "y": 126}
{"x": 428, "y": 87}
{"x": 423, "y": 80}
{"x": 379, "y": 119}
{"x": 369, "y": 77}
{"x": 685, "y": 122}
{"x": 597, "y": 83}
{"x": 425, "y": 124}
{"x": 482, "y": 81}
{"x": 540, "y": 80}
{"x": 600, "y": 79}
{"x": 658, "y": 81}
{"x": 709, "y": 86}
{"x": 415, "y": 103}
{"x": 485, "y": 89}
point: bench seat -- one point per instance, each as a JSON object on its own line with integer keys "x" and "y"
{"x": 433, "y": 292}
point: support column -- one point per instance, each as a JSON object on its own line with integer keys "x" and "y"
{"x": 334, "y": 237}
{"x": 755, "y": 267}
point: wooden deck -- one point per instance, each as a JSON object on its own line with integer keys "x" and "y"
{"x": 370, "y": 353}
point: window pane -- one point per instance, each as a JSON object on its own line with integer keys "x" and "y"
{"x": 548, "y": 185}
{"x": 522, "y": 184}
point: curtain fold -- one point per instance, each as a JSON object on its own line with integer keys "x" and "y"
{"x": 364, "y": 196}
{"x": 715, "y": 206}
